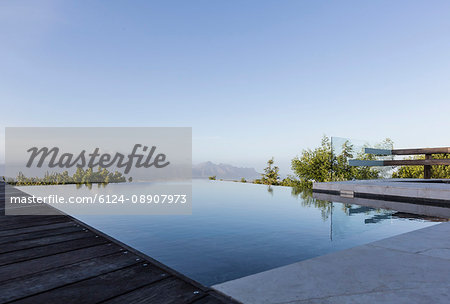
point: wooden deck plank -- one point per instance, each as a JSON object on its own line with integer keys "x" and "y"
{"x": 42, "y": 251}
{"x": 214, "y": 297}
{"x": 210, "y": 300}
{"x": 2, "y": 199}
{"x": 44, "y": 241}
{"x": 16, "y": 223}
{"x": 36, "y": 228}
{"x": 50, "y": 279}
{"x": 8, "y": 219}
{"x": 39, "y": 234}
{"x": 20, "y": 209}
{"x": 15, "y": 270}
{"x": 102, "y": 287}
{"x": 171, "y": 290}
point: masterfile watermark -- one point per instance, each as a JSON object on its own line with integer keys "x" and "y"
{"x": 94, "y": 159}
{"x": 117, "y": 170}
{"x": 101, "y": 199}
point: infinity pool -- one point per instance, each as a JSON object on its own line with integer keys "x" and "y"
{"x": 240, "y": 229}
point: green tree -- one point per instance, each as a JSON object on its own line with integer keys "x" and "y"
{"x": 322, "y": 165}
{"x": 270, "y": 175}
{"x": 314, "y": 165}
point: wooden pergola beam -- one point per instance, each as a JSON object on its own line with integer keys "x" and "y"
{"x": 401, "y": 162}
{"x": 442, "y": 150}
{"x": 426, "y": 163}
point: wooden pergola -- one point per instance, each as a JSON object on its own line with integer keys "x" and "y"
{"x": 426, "y": 163}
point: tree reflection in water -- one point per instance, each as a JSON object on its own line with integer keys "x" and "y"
{"x": 306, "y": 199}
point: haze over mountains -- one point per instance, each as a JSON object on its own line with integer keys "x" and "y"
{"x": 224, "y": 171}
{"x": 203, "y": 170}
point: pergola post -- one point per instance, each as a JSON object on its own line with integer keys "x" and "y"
{"x": 427, "y": 168}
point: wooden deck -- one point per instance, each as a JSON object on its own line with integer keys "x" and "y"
{"x": 57, "y": 259}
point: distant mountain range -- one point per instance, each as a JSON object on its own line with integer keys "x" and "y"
{"x": 224, "y": 171}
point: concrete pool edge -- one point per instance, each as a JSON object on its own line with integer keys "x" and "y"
{"x": 412, "y": 267}
{"x": 433, "y": 193}
{"x": 422, "y": 211}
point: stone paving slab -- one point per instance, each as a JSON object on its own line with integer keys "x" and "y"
{"x": 410, "y": 268}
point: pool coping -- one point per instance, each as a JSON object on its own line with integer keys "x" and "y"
{"x": 410, "y": 190}
{"x": 408, "y": 268}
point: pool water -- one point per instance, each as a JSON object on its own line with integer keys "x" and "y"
{"x": 239, "y": 229}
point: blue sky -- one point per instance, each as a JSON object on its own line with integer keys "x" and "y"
{"x": 254, "y": 79}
